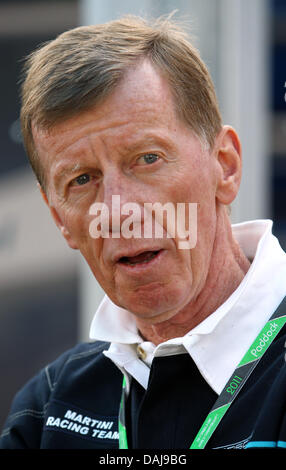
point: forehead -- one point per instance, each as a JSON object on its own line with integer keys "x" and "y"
{"x": 142, "y": 90}
{"x": 141, "y": 104}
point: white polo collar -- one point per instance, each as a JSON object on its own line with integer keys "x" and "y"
{"x": 218, "y": 343}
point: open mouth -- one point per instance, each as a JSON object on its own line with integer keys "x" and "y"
{"x": 141, "y": 258}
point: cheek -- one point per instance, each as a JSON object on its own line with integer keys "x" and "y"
{"x": 76, "y": 222}
{"x": 195, "y": 211}
{"x": 200, "y": 228}
{"x": 206, "y": 230}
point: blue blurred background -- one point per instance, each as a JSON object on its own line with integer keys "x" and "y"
{"x": 47, "y": 296}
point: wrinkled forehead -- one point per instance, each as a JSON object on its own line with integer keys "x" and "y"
{"x": 142, "y": 82}
{"x": 142, "y": 96}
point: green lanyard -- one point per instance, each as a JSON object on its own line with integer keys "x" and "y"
{"x": 230, "y": 390}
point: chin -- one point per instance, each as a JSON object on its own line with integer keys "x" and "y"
{"x": 157, "y": 306}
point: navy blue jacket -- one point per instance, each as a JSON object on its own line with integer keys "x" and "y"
{"x": 74, "y": 403}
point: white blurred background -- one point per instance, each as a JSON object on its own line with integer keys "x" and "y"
{"x": 47, "y": 296}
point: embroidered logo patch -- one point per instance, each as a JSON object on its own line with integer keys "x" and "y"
{"x": 236, "y": 445}
{"x": 67, "y": 418}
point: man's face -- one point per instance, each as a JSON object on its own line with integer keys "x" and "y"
{"x": 133, "y": 145}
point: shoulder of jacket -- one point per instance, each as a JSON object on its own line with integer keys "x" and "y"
{"x": 77, "y": 356}
{"x": 24, "y": 423}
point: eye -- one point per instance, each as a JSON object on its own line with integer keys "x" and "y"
{"x": 148, "y": 158}
{"x": 81, "y": 180}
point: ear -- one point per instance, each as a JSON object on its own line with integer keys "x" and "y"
{"x": 228, "y": 155}
{"x": 58, "y": 220}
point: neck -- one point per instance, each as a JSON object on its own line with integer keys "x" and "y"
{"x": 227, "y": 268}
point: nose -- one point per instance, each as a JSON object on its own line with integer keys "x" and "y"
{"x": 119, "y": 198}
{"x": 115, "y": 184}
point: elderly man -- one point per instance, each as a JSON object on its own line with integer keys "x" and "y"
{"x": 188, "y": 345}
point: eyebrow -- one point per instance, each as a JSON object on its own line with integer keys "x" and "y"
{"x": 67, "y": 169}
{"x": 150, "y": 139}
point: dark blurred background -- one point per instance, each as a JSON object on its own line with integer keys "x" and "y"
{"x": 38, "y": 275}
{"x": 43, "y": 285}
